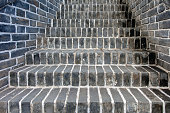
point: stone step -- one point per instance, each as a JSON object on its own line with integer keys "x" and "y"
{"x": 92, "y": 32}
{"x": 95, "y": 2}
{"x": 111, "y": 43}
{"x": 95, "y": 23}
{"x": 94, "y": 15}
{"x": 85, "y": 100}
{"x": 88, "y": 75}
{"x": 94, "y": 7}
{"x": 88, "y": 56}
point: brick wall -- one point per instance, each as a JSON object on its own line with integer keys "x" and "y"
{"x": 21, "y": 23}
{"x": 153, "y": 18}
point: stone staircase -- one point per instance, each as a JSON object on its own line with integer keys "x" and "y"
{"x": 92, "y": 60}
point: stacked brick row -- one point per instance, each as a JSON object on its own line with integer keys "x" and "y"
{"x": 21, "y": 22}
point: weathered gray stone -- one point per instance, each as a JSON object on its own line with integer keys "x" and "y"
{"x": 60, "y": 102}
{"x": 67, "y": 75}
{"x": 100, "y": 76}
{"x": 82, "y": 102}
{"x": 71, "y": 101}
{"x": 49, "y": 101}
{"x": 106, "y": 101}
{"x": 142, "y": 101}
{"x": 75, "y": 75}
{"x": 157, "y": 105}
{"x": 92, "y": 76}
{"x": 131, "y": 106}
{"x": 119, "y": 104}
{"x": 118, "y": 76}
{"x": 94, "y": 100}
{"x": 126, "y": 76}
{"x": 58, "y": 75}
{"x": 14, "y": 106}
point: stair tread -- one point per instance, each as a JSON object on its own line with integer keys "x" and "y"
{"x": 94, "y": 98}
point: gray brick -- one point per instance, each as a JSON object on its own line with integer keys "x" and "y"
{"x": 94, "y": 100}
{"x": 75, "y": 75}
{"x": 69, "y": 43}
{"x": 25, "y": 103}
{"x": 4, "y": 56}
{"x": 49, "y": 76}
{"x": 163, "y": 16}
{"x": 4, "y": 18}
{"x": 14, "y": 103}
{"x": 41, "y": 75}
{"x": 118, "y": 76}
{"x": 163, "y": 76}
{"x": 155, "y": 77}
{"x": 67, "y": 75}
{"x": 107, "y": 58}
{"x": 7, "y": 63}
{"x": 4, "y": 37}
{"x": 92, "y": 76}
{"x": 20, "y": 21}
{"x": 20, "y": 29}
{"x": 6, "y": 91}
{"x": 20, "y": 12}
{"x": 49, "y": 101}
{"x": 135, "y": 76}
{"x": 58, "y": 75}
{"x": 132, "y": 104}
{"x": 119, "y": 104}
{"x": 122, "y": 58}
{"x": 31, "y": 16}
{"x": 144, "y": 76}
{"x": 32, "y": 76}
{"x": 4, "y": 101}
{"x": 126, "y": 76}
{"x": 43, "y": 58}
{"x": 82, "y": 102}
{"x": 106, "y": 101}
{"x": 84, "y": 75}
{"x": 60, "y": 102}
{"x": 36, "y": 103}
{"x": 22, "y": 76}
{"x": 99, "y": 57}
{"x": 78, "y": 58}
{"x": 142, "y": 101}
{"x": 71, "y": 101}
{"x": 7, "y": 28}
{"x": 164, "y": 25}
{"x": 157, "y": 105}
{"x": 21, "y": 4}
{"x": 100, "y": 76}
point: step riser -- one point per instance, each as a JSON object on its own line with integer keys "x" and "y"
{"x": 88, "y": 76}
{"x": 92, "y": 43}
{"x": 91, "y": 58}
